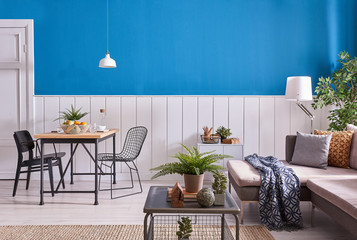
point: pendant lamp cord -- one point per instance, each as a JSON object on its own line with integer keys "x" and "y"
{"x": 107, "y": 28}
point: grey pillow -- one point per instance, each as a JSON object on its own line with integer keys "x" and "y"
{"x": 311, "y": 150}
{"x": 353, "y": 153}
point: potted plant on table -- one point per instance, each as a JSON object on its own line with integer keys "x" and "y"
{"x": 224, "y": 132}
{"x": 71, "y": 119}
{"x": 185, "y": 228}
{"x": 192, "y": 165}
{"x": 219, "y": 187}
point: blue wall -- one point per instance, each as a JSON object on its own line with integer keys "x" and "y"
{"x": 184, "y": 47}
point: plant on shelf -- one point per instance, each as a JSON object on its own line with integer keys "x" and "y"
{"x": 219, "y": 187}
{"x": 339, "y": 91}
{"x": 185, "y": 228}
{"x": 71, "y": 114}
{"x": 224, "y": 132}
{"x": 192, "y": 165}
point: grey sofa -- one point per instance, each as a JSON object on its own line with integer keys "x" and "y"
{"x": 246, "y": 180}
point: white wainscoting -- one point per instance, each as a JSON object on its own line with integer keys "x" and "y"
{"x": 260, "y": 122}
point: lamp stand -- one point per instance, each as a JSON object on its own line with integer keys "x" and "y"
{"x": 308, "y": 113}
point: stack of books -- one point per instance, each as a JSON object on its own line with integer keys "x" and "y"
{"x": 187, "y": 196}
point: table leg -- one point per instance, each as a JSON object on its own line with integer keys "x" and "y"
{"x": 222, "y": 226}
{"x": 72, "y": 163}
{"x": 41, "y": 174}
{"x": 146, "y": 226}
{"x": 237, "y": 226}
{"x": 96, "y": 172}
{"x": 114, "y": 169}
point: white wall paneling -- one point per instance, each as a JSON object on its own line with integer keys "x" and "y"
{"x": 236, "y": 117}
{"x": 83, "y": 162}
{"x": 251, "y": 125}
{"x": 174, "y": 125}
{"x": 260, "y": 122}
{"x": 159, "y": 131}
{"x": 266, "y": 126}
{"x": 282, "y": 119}
{"x": 144, "y": 117}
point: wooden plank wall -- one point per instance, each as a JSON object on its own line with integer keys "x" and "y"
{"x": 260, "y": 122}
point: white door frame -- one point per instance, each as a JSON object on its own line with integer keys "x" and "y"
{"x": 29, "y": 49}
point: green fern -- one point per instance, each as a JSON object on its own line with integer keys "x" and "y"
{"x": 193, "y": 162}
{"x": 71, "y": 114}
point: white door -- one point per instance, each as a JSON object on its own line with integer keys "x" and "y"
{"x": 16, "y": 89}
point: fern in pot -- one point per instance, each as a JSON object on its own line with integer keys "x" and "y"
{"x": 192, "y": 165}
{"x": 219, "y": 187}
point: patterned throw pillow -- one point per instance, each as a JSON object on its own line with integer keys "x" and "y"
{"x": 340, "y": 147}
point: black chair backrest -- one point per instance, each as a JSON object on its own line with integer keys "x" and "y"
{"x": 133, "y": 142}
{"x": 24, "y": 142}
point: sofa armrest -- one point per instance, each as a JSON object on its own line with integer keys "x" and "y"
{"x": 289, "y": 147}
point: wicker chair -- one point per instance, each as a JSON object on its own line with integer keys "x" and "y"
{"x": 134, "y": 141}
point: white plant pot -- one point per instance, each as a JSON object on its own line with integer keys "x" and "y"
{"x": 220, "y": 199}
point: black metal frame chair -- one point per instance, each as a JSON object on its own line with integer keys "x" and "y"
{"x": 134, "y": 141}
{"x": 25, "y": 143}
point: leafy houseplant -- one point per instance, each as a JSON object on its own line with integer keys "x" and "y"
{"x": 339, "y": 91}
{"x": 185, "y": 228}
{"x": 219, "y": 186}
{"x": 192, "y": 165}
{"x": 72, "y": 114}
{"x": 224, "y": 132}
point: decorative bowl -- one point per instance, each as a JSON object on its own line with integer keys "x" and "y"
{"x": 74, "y": 129}
{"x": 212, "y": 139}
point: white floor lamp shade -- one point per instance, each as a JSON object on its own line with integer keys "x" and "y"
{"x": 298, "y": 89}
{"x": 107, "y": 62}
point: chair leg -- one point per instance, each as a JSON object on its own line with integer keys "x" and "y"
{"x": 17, "y": 176}
{"x": 50, "y": 173}
{"x": 60, "y": 168}
{"x": 28, "y": 177}
{"x": 137, "y": 172}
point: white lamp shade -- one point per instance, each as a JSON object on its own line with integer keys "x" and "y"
{"x": 298, "y": 89}
{"x": 107, "y": 62}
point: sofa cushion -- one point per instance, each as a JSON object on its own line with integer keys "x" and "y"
{"x": 246, "y": 175}
{"x": 340, "y": 147}
{"x": 311, "y": 150}
{"x": 340, "y": 192}
{"x": 353, "y": 153}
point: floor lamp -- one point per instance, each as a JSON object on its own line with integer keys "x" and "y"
{"x": 299, "y": 89}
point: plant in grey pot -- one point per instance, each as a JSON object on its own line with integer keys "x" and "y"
{"x": 185, "y": 228}
{"x": 192, "y": 165}
{"x": 224, "y": 132}
{"x": 340, "y": 92}
{"x": 219, "y": 187}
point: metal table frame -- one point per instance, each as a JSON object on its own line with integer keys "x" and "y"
{"x": 77, "y": 141}
{"x": 156, "y": 202}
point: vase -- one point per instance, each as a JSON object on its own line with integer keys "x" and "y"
{"x": 193, "y": 183}
{"x": 219, "y": 199}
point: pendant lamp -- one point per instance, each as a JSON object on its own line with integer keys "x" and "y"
{"x": 107, "y": 61}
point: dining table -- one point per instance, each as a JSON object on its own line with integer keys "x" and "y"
{"x": 75, "y": 140}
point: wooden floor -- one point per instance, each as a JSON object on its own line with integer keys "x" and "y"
{"x": 24, "y": 209}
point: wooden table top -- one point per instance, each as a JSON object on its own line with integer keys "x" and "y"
{"x": 87, "y": 135}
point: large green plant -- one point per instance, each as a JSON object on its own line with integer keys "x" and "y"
{"x": 193, "y": 162}
{"x": 339, "y": 91}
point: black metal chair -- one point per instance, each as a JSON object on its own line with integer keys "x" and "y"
{"x": 25, "y": 143}
{"x": 134, "y": 141}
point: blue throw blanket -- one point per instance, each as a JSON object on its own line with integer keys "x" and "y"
{"x": 279, "y": 202}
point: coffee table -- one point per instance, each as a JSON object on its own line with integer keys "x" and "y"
{"x": 156, "y": 203}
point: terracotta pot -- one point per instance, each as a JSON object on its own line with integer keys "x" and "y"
{"x": 193, "y": 183}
